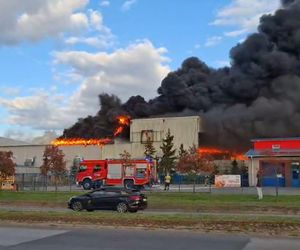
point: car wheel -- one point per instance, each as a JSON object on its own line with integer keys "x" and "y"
{"x": 77, "y": 206}
{"x": 128, "y": 184}
{"x": 90, "y": 210}
{"x": 122, "y": 207}
{"x": 133, "y": 211}
{"x": 87, "y": 184}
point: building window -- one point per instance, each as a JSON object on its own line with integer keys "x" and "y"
{"x": 147, "y": 135}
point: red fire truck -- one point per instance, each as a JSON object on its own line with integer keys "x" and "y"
{"x": 95, "y": 173}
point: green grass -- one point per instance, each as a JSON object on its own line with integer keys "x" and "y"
{"x": 212, "y": 200}
{"x": 188, "y": 201}
{"x": 48, "y": 197}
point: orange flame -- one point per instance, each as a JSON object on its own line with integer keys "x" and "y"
{"x": 118, "y": 131}
{"x": 123, "y": 121}
{"x": 220, "y": 153}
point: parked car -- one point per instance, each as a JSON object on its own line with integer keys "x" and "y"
{"x": 109, "y": 198}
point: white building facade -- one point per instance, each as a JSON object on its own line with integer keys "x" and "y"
{"x": 185, "y": 130}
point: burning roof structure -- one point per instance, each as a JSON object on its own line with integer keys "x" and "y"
{"x": 123, "y": 123}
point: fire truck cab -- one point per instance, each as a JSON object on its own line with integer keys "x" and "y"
{"x": 95, "y": 173}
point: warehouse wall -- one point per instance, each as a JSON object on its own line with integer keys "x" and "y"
{"x": 185, "y": 130}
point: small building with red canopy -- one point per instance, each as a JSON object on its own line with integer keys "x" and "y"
{"x": 279, "y": 160}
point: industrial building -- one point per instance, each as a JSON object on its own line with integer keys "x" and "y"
{"x": 279, "y": 160}
{"x": 186, "y": 131}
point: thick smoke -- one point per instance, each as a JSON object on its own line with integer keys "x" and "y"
{"x": 258, "y": 96}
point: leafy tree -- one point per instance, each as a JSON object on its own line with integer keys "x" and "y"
{"x": 149, "y": 149}
{"x": 7, "y": 166}
{"x": 53, "y": 162}
{"x": 168, "y": 159}
{"x": 234, "y": 167}
{"x": 194, "y": 164}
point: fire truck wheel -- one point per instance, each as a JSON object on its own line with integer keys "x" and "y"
{"x": 77, "y": 206}
{"x": 122, "y": 207}
{"x": 128, "y": 184}
{"x": 87, "y": 184}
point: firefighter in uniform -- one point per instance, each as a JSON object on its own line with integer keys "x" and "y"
{"x": 167, "y": 181}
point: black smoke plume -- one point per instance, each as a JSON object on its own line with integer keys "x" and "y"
{"x": 258, "y": 96}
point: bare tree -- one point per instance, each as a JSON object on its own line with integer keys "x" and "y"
{"x": 128, "y": 168}
{"x": 126, "y": 159}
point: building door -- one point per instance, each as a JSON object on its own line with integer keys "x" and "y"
{"x": 273, "y": 173}
{"x": 295, "y": 174}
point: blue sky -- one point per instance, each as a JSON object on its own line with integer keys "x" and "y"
{"x": 58, "y": 55}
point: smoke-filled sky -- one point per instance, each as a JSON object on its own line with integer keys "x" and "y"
{"x": 57, "y": 56}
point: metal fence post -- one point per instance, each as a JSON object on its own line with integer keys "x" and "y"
{"x": 23, "y": 181}
{"x": 70, "y": 182}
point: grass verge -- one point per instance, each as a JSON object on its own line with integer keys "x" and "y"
{"x": 201, "y": 202}
{"x": 266, "y": 225}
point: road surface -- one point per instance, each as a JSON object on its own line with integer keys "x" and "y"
{"x": 21, "y": 238}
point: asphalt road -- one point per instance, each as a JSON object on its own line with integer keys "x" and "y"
{"x": 16, "y": 238}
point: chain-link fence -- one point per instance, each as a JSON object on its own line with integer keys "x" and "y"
{"x": 179, "y": 183}
{"x": 197, "y": 183}
{"x": 39, "y": 182}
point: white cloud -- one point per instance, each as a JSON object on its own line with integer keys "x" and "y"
{"x": 10, "y": 91}
{"x": 128, "y": 4}
{"x": 137, "y": 69}
{"x": 100, "y": 42}
{"x": 213, "y": 41}
{"x": 244, "y": 15}
{"x": 31, "y": 136}
{"x": 104, "y": 3}
{"x": 38, "y": 111}
{"x": 103, "y": 37}
{"x": 33, "y": 20}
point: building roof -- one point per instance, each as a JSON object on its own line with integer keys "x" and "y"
{"x": 11, "y": 142}
{"x": 170, "y": 116}
{"x": 273, "y": 153}
{"x": 276, "y": 139}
